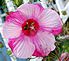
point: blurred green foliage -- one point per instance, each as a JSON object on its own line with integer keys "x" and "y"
{"x": 66, "y": 46}
{"x": 17, "y": 2}
{"x": 66, "y": 27}
{"x": 1, "y": 2}
{"x": 1, "y": 45}
{"x": 64, "y": 12}
{"x": 3, "y": 6}
{"x": 9, "y": 52}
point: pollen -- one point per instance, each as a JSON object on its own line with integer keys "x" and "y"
{"x": 30, "y": 27}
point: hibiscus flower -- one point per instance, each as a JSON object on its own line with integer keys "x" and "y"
{"x": 64, "y": 57}
{"x": 30, "y": 30}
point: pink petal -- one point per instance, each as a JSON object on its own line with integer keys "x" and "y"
{"x": 30, "y": 10}
{"x": 11, "y": 30}
{"x": 44, "y": 43}
{"x": 22, "y": 47}
{"x": 16, "y": 17}
{"x": 64, "y": 57}
{"x": 50, "y": 21}
{"x": 37, "y": 53}
{"x": 39, "y": 4}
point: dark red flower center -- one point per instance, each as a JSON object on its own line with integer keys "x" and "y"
{"x": 30, "y": 27}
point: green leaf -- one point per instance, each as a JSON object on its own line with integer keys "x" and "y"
{"x": 66, "y": 46}
{"x": 64, "y": 12}
{"x": 9, "y": 52}
{"x": 1, "y": 45}
{"x": 18, "y": 2}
